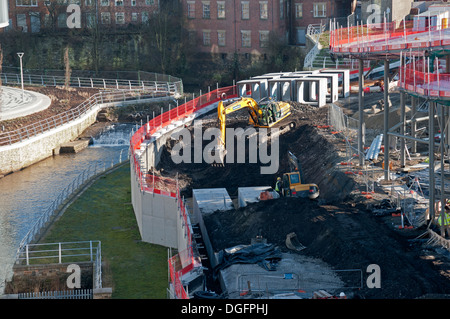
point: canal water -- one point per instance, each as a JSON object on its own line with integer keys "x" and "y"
{"x": 27, "y": 194}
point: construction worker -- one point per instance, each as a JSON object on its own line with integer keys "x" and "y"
{"x": 445, "y": 217}
{"x": 278, "y": 186}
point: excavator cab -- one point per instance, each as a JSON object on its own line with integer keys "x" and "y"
{"x": 293, "y": 184}
{"x": 293, "y": 187}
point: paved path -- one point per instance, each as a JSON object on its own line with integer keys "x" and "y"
{"x": 13, "y": 105}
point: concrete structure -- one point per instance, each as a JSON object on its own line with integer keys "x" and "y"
{"x": 207, "y": 201}
{"x": 257, "y": 87}
{"x": 332, "y": 92}
{"x": 15, "y": 103}
{"x": 155, "y": 217}
{"x": 344, "y": 80}
{"x": 311, "y": 90}
{"x": 280, "y": 89}
{"x": 20, "y": 155}
{"x": 251, "y": 194}
{"x": 295, "y": 277}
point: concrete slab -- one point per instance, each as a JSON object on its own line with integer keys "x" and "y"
{"x": 209, "y": 200}
{"x": 14, "y": 103}
{"x": 296, "y": 276}
{"x": 74, "y": 146}
{"x": 248, "y": 195}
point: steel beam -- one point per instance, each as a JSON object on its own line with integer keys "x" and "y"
{"x": 431, "y": 160}
{"x": 386, "y": 119}
{"x": 361, "y": 112}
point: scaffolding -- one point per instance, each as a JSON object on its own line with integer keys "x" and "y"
{"x": 424, "y": 76}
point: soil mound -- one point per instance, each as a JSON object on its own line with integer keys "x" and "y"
{"x": 343, "y": 236}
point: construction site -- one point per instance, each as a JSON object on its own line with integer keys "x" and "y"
{"x": 368, "y": 232}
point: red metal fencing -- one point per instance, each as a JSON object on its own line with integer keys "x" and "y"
{"x": 416, "y": 77}
{"x": 167, "y": 186}
{"x": 386, "y": 36}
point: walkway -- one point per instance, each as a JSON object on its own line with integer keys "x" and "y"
{"x": 13, "y": 105}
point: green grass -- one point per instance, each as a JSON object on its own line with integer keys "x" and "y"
{"x": 104, "y": 212}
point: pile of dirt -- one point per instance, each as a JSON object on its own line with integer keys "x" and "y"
{"x": 317, "y": 154}
{"x": 341, "y": 235}
{"x": 337, "y": 228}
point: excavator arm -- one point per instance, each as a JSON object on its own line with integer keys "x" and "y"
{"x": 223, "y": 110}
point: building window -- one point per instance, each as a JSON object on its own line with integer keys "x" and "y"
{"x": 134, "y": 16}
{"x": 246, "y": 39}
{"x": 144, "y": 16}
{"x": 120, "y": 17}
{"x": 263, "y": 11}
{"x": 149, "y": 2}
{"x": 320, "y": 10}
{"x": 26, "y": 3}
{"x": 22, "y": 22}
{"x": 119, "y": 3}
{"x": 62, "y": 20}
{"x": 90, "y": 19}
{"x": 191, "y": 9}
{"x": 298, "y": 10}
{"x": 245, "y": 10}
{"x": 106, "y": 17}
{"x": 88, "y": 3}
{"x": 206, "y": 37}
{"x": 104, "y": 3}
{"x": 206, "y": 10}
{"x": 281, "y": 9}
{"x": 220, "y": 9}
{"x": 263, "y": 39}
{"x": 221, "y": 40}
{"x": 133, "y": 3}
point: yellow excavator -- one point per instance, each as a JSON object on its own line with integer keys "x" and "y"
{"x": 264, "y": 114}
{"x": 293, "y": 184}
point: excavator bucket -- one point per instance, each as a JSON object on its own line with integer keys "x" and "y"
{"x": 293, "y": 243}
{"x": 222, "y": 152}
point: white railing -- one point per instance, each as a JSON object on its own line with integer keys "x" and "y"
{"x": 65, "y": 252}
{"x": 314, "y": 31}
{"x": 66, "y": 294}
{"x": 128, "y": 80}
{"x": 93, "y": 170}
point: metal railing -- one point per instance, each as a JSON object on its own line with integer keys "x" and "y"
{"x": 52, "y": 253}
{"x": 314, "y": 31}
{"x": 88, "y": 79}
{"x": 101, "y": 98}
{"x": 65, "y": 294}
{"x": 76, "y": 185}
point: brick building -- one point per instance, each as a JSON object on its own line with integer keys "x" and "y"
{"x": 243, "y": 26}
{"x": 33, "y": 15}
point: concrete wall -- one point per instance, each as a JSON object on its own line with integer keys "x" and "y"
{"x": 20, "y": 155}
{"x": 23, "y": 154}
{"x": 156, "y": 215}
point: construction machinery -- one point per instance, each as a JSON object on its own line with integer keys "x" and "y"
{"x": 263, "y": 114}
{"x": 293, "y": 184}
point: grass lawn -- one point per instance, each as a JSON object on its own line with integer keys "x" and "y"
{"x": 104, "y": 212}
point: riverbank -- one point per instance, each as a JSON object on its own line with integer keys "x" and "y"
{"x": 134, "y": 269}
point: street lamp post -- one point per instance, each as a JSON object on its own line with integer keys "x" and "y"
{"x": 20, "y": 54}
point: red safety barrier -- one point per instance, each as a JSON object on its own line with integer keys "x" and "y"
{"x": 167, "y": 186}
{"x": 383, "y": 36}
{"x": 416, "y": 77}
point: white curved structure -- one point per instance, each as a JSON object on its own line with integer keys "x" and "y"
{"x": 4, "y": 18}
